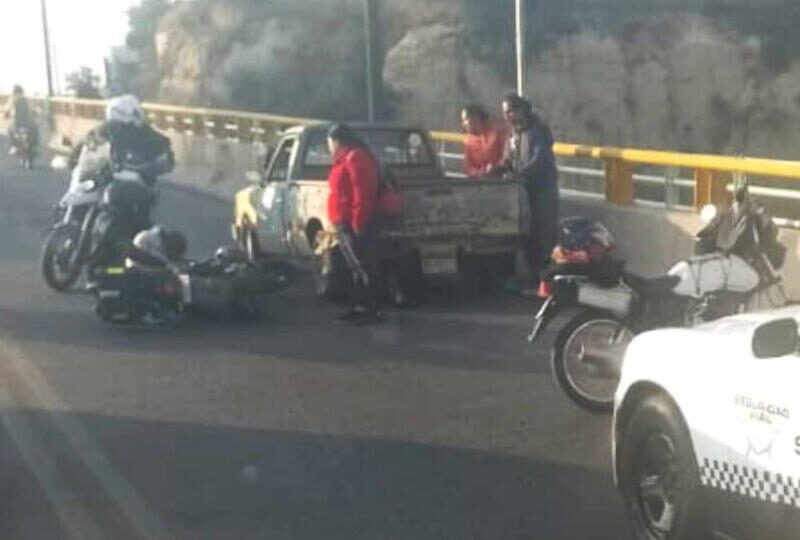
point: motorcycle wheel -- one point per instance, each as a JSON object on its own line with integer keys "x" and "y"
{"x": 587, "y": 359}
{"x": 60, "y": 268}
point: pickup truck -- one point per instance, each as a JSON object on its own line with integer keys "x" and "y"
{"x": 449, "y": 225}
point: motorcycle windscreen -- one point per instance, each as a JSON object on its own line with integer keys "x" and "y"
{"x": 704, "y": 274}
{"x": 93, "y": 158}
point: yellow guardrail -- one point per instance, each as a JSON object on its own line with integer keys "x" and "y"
{"x": 711, "y": 172}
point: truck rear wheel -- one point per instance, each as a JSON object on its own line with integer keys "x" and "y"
{"x": 475, "y": 274}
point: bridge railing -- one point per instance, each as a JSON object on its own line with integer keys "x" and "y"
{"x": 621, "y": 176}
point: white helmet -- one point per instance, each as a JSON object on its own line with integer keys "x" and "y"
{"x": 125, "y": 109}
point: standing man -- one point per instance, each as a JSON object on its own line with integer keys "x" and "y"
{"x": 352, "y": 205}
{"x": 530, "y": 159}
{"x": 484, "y": 146}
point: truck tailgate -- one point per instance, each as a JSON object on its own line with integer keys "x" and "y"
{"x": 459, "y": 208}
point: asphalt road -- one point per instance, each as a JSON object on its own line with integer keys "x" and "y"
{"x": 440, "y": 424}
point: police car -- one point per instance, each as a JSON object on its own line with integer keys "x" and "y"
{"x": 706, "y": 435}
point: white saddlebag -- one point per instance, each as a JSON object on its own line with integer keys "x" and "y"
{"x": 703, "y": 274}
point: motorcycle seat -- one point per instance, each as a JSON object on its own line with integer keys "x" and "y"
{"x": 657, "y": 286}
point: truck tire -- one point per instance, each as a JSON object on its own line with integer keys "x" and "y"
{"x": 658, "y": 474}
{"x": 475, "y": 275}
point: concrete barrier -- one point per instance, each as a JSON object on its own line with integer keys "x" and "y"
{"x": 212, "y": 166}
{"x": 652, "y": 240}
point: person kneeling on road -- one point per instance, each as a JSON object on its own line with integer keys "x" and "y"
{"x": 352, "y": 204}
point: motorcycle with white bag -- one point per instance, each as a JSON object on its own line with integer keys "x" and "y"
{"x": 737, "y": 261}
{"x": 108, "y": 201}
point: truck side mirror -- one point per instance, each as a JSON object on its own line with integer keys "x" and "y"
{"x": 776, "y": 338}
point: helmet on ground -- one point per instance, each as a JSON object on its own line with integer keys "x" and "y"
{"x": 125, "y": 109}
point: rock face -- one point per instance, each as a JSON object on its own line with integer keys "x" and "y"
{"x": 666, "y": 80}
{"x": 244, "y": 56}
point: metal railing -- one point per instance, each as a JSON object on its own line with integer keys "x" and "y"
{"x": 622, "y": 176}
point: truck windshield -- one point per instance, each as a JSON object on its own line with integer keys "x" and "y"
{"x": 390, "y": 146}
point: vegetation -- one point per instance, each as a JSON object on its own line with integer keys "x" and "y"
{"x": 84, "y": 83}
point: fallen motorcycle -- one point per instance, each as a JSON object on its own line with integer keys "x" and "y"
{"x": 607, "y": 305}
{"x": 153, "y": 292}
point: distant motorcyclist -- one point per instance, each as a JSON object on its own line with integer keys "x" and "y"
{"x": 135, "y": 145}
{"x": 18, "y": 112}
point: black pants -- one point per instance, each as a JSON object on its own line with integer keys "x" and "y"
{"x": 542, "y": 234}
{"x": 359, "y": 252}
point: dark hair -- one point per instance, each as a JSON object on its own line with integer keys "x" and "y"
{"x": 346, "y": 136}
{"x": 17, "y": 90}
{"x": 476, "y": 111}
{"x": 518, "y": 103}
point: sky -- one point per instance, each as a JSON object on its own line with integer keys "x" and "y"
{"x": 81, "y": 34}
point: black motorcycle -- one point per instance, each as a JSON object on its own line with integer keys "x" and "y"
{"x": 606, "y": 306}
{"x": 26, "y": 147}
{"x": 152, "y": 292}
{"x": 106, "y": 204}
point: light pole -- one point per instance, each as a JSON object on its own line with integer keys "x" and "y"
{"x": 369, "y": 17}
{"x": 520, "y": 33}
{"x": 47, "y": 50}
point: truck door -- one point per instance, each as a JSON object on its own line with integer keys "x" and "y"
{"x": 272, "y": 206}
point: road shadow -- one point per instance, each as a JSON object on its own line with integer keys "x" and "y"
{"x": 220, "y": 482}
{"x": 295, "y": 327}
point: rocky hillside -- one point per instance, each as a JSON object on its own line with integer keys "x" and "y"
{"x": 718, "y": 76}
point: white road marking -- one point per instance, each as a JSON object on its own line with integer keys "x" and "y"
{"x": 73, "y": 517}
{"x": 145, "y": 522}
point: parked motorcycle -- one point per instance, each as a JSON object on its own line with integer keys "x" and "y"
{"x": 738, "y": 259}
{"x": 153, "y": 292}
{"x": 106, "y": 204}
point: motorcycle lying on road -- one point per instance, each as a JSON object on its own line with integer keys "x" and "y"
{"x": 106, "y": 204}
{"x": 151, "y": 291}
{"x": 738, "y": 258}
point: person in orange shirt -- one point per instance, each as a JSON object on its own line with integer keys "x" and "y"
{"x": 484, "y": 146}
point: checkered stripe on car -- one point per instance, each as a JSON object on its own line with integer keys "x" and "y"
{"x": 750, "y": 482}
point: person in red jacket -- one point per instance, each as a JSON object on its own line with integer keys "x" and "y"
{"x": 484, "y": 146}
{"x": 352, "y": 205}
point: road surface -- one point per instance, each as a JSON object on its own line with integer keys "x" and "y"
{"x": 440, "y": 424}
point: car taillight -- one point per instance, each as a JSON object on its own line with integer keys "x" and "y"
{"x": 545, "y": 289}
